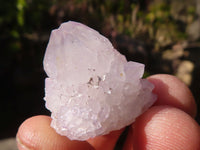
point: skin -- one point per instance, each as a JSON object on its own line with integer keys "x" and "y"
{"x": 168, "y": 124}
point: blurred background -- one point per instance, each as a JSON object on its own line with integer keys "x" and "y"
{"x": 162, "y": 34}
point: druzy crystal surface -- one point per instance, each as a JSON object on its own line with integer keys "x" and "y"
{"x": 91, "y": 89}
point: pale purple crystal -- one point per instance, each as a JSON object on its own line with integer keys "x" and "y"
{"x": 91, "y": 89}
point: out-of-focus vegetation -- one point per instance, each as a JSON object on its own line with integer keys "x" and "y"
{"x": 163, "y": 34}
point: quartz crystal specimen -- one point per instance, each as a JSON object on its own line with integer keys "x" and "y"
{"x": 91, "y": 89}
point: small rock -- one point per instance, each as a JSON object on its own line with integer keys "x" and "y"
{"x": 8, "y": 144}
{"x": 184, "y": 71}
{"x": 193, "y": 30}
{"x": 174, "y": 53}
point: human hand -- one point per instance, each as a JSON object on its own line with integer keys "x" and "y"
{"x": 168, "y": 124}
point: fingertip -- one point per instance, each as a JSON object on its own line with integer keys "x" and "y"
{"x": 164, "y": 127}
{"x": 36, "y": 133}
{"x": 171, "y": 91}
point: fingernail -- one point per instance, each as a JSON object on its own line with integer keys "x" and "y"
{"x": 20, "y": 145}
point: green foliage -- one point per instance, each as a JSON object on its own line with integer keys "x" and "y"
{"x": 21, "y": 4}
{"x": 146, "y": 74}
{"x": 18, "y": 17}
{"x": 191, "y": 10}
